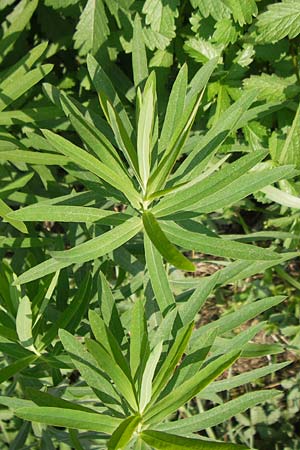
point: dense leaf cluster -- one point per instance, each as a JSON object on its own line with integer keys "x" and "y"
{"x": 137, "y": 140}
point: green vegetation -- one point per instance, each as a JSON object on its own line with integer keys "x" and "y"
{"x": 149, "y": 196}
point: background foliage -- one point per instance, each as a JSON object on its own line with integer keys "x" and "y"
{"x": 64, "y": 43}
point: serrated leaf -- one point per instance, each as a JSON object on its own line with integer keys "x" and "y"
{"x": 160, "y": 15}
{"x": 92, "y": 29}
{"x": 272, "y": 87}
{"x": 217, "y": 9}
{"x": 280, "y": 20}
{"x": 242, "y": 10}
{"x": 57, "y": 4}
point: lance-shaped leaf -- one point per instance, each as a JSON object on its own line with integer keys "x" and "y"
{"x": 198, "y": 189}
{"x": 166, "y": 441}
{"x": 16, "y": 367}
{"x": 95, "y": 133}
{"x": 109, "y": 366}
{"x": 89, "y": 162}
{"x": 139, "y": 56}
{"x": 30, "y": 115}
{"x": 60, "y": 417}
{"x": 5, "y": 210}
{"x": 139, "y": 344}
{"x": 13, "y": 74}
{"x": 95, "y": 248}
{"x": 163, "y": 245}
{"x": 90, "y": 371}
{"x": 72, "y": 315}
{"x": 282, "y": 198}
{"x": 289, "y": 153}
{"x": 123, "y": 139}
{"x": 171, "y": 360}
{"x": 147, "y": 378}
{"x": 182, "y": 394}
{"x": 41, "y": 398}
{"x": 106, "y": 91}
{"x": 146, "y": 121}
{"x": 14, "y": 91}
{"x": 215, "y": 246}
{"x": 122, "y": 435}
{"x": 21, "y": 16}
{"x": 24, "y": 323}
{"x": 16, "y": 184}
{"x": 109, "y": 309}
{"x": 59, "y": 213}
{"x": 160, "y": 174}
{"x": 219, "y": 414}
{"x": 101, "y": 245}
{"x": 158, "y": 276}
{"x": 242, "y": 187}
{"x": 235, "y": 319}
{"x": 198, "y": 158}
{"x": 244, "y": 378}
{"x": 108, "y": 341}
{"x": 175, "y": 108}
{"x": 47, "y": 159}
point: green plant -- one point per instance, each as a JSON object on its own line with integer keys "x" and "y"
{"x": 138, "y": 171}
{"x": 128, "y": 190}
{"x": 140, "y": 378}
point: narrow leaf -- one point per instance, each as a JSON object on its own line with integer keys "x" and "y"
{"x": 163, "y": 245}
{"x": 165, "y": 441}
{"x": 60, "y": 417}
{"x": 122, "y": 435}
